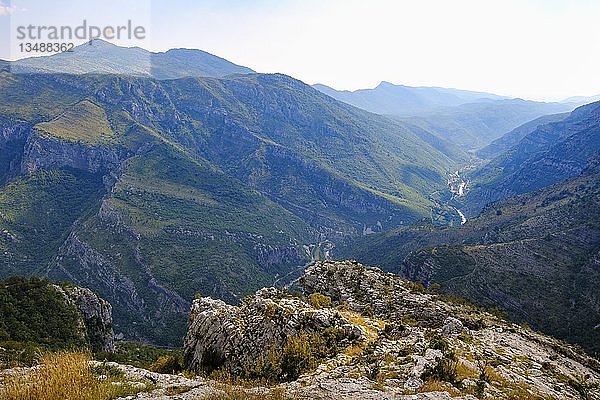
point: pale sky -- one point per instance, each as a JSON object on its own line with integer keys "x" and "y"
{"x": 538, "y": 49}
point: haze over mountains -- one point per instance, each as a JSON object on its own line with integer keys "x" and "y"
{"x": 401, "y": 100}
{"x": 149, "y": 177}
{"x": 469, "y": 119}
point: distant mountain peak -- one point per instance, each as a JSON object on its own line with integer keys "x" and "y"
{"x": 103, "y": 57}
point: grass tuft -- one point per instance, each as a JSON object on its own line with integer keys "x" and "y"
{"x": 64, "y": 376}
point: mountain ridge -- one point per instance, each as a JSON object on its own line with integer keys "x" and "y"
{"x": 99, "y": 56}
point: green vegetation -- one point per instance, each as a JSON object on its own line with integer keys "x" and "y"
{"x": 36, "y": 214}
{"x": 318, "y": 300}
{"x": 84, "y": 122}
{"x": 168, "y": 364}
{"x": 445, "y": 370}
{"x": 300, "y": 354}
{"x": 33, "y": 318}
{"x": 142, "y": 355}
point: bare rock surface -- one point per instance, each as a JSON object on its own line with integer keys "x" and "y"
{"x": 400, "y": 342}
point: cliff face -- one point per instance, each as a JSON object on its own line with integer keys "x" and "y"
{"x": 95, "y": 319}
{"x": 49, "y": 153}
{"x": 13, "y": 134}
{"x": 230, "y": 337}
{"x": 392, "y": 340}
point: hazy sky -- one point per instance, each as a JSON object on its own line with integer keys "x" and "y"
{"x": 542, "y": 49}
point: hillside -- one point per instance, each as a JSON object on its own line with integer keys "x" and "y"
{"x": 551, "y": 153}
{"x": 154, "y": 190}
{"x": 102, "y": 57}
{"x": 534, "y": 255}
{"x": 468, "y": 120}
{"x": 512, "y": 138}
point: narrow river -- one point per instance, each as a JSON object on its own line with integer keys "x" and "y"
{"x": 457, "y": 186}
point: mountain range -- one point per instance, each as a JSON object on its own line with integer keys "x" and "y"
{"x": 470, "y": 120}
{"x": 154, "y": 190}
{"x": 401, "y": 100}
{"x": 157, "y": 178}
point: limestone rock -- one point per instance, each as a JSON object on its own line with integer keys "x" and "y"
{"x": 401, "y": 342}
{"x": 231, "y": 337}
{"x": 96, "y": 317}
{"x": 452, "y": 326}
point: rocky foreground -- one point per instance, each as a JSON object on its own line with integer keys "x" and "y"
{"x": 359, "y": 333}
{"x": 384, "y": 338}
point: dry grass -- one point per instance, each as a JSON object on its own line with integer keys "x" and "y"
{"x": 62, "y": 376}
{"x": 494, "y": 376}
{"x": 85, "y": 121}
{"x": 464, "y": 371}
{"x": 65, "y": 376}
{"x": 439, "y": 386}
{"x": 353, "y": 350}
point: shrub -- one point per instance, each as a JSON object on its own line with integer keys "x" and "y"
{"x": 445, "y": 370}
{"x": 437, "y": 341}
{"x": 300, "y": 354}
{"x": 168, "y": 364}
{"x": 266, "y": 368}
{"x": 332, "y": 338}
{"x": 318, "y": 300}
{"x": 415, "y": 287}
{"x": 367, "y": 311}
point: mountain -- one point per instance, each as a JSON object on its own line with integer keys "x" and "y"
{"x": 475, "y": 125}
{"x": 551, "y": 153}
{"x": 512, "y": 138}
{"x": 536, "y": 255}
{"x": 401, "y": 100}
{"x": 105, "y": 58}
{"x": 153, "y": 190}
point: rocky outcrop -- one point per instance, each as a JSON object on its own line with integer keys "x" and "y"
{"x": 96, "y": 317}
{"x": 231, "y": 337}
{"x": 399, "y": 342}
